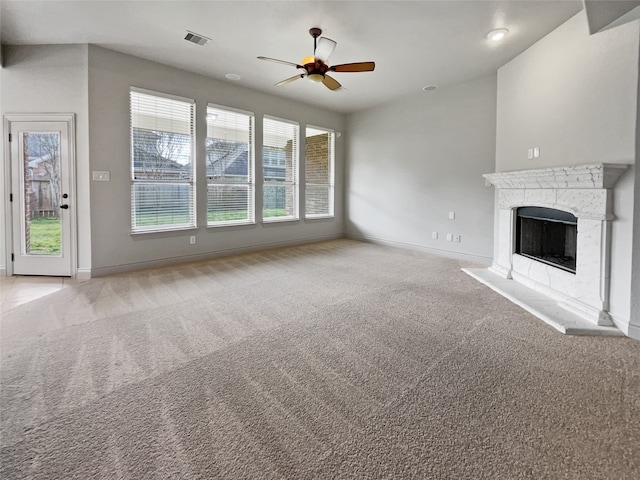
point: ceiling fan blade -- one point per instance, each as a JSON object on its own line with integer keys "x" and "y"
{"x": 289, "y": 80}
{"x": 354, "y": 67}
{"x": 331, "y": 83}
{"x": 280, "y": 61}
{"x": 324, "y": 49}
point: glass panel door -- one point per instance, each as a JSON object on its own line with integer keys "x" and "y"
{"x": 41, "y": 187}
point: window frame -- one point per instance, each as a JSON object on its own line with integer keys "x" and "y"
{"x": 294, "y": 183}
{"x": 331, "y": 174}
{"x": 251, "y": 184}
{"x": 191, "y": 181}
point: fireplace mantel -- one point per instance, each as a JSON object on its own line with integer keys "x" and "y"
{"x": 586, "y": 192}
{"x": 583, "y": 190}
{"x": 601, "y": 175}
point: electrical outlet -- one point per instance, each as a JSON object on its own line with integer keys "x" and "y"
{"x": 456, "y": 238}
{"x": 452, "y": 215}
{"x": 530, "y": 154}
{"x": 192, "y": 240}
{"x": 449, "y": 237}
{"x": 536, "y": 152}
{"x": 434, "y": 235}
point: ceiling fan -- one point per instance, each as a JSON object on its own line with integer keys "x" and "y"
{"x": 315, "y": 66}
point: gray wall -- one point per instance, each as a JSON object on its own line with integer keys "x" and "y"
{"x": 94, "y": 84}
{"x": 110, "y": 76}
{"x": 575, "y": 96}
{"x": 572, "y": 95}
{"x": 413, "y": 161}
{"x": 52, "y": 79}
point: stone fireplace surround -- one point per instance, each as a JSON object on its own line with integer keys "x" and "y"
{"x": 572, "y": 303}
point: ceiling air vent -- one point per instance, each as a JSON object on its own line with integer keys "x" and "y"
{"x": 197, "y": 39}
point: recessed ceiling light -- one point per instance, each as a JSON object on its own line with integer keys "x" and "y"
{"x": 497, "y": 34}
{"x": 428, "y": 88}
{"x": 233, "y": 76}
{"x": 197, "y": 38}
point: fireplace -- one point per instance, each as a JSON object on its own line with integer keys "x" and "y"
{"x": 547, "y": 235}
{"x": 552, "y": 244}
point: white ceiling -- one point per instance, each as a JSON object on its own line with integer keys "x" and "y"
{"x": 414, "y": 43}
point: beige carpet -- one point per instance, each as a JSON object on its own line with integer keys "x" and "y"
{"x": 332, "y": 360}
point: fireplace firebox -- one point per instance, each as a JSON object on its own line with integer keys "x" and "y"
{"x": 547, "y": 235}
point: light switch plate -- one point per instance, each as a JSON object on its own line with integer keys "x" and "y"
{"x": 101, "y": 176}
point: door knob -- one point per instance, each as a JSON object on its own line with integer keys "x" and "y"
{"x": 65, "y": 206}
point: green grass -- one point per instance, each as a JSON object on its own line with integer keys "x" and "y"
{"x": 148, "y": 220}
{"x": 229, "y": 216}
{"x": 44, "y": 234}
{"x": 242, "y": 215}
{"x": 274, "y": 212}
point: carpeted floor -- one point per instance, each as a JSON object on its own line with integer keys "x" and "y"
{"x": 331, "y": 360}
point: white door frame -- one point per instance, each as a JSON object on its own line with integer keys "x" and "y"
{"x": 69, "y": 119}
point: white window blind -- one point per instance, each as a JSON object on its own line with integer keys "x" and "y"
{"x": 162, "y": 167}
{"x": 319, "y": 167}
{"x": 230, "y": 160}
{"x": 280, "y": 159}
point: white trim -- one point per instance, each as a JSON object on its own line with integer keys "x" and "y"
{"x": 634, "y": 332}
{"x": 319, "y": 217}
{"x": 621, "y": 323}
{"x": 155, "y": 93}
{"x": 231, "y": 109}
{"x": 166, "y": 230}
{"x": 68, "y": 118}
{"x": 283, "y": 120}
{"x": 83, "y": 274}
{"x": 8, "y": 213}
{"x": 280, "y": 219}
{"x": 323, "y": 129}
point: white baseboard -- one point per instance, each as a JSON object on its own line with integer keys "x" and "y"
{"x": 621, "y": 323}
{"x": 486, "y": 261}
{"x": 83, "y": 273}
{"x": 634, "y": 332}
{"x": 164, "y": 262}
{"x": 3, "y": 271}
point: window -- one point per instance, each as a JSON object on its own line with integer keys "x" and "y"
{"x": 230, "y": 160}
{"x": 319, "y": 166}
{"x": 280, "y": 168}
{"x": 162, "y": 172}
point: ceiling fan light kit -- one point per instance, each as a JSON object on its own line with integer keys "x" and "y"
{"x": 315, "y": 67}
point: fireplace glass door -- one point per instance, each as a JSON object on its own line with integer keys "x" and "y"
{"x": 547, "y": 235}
